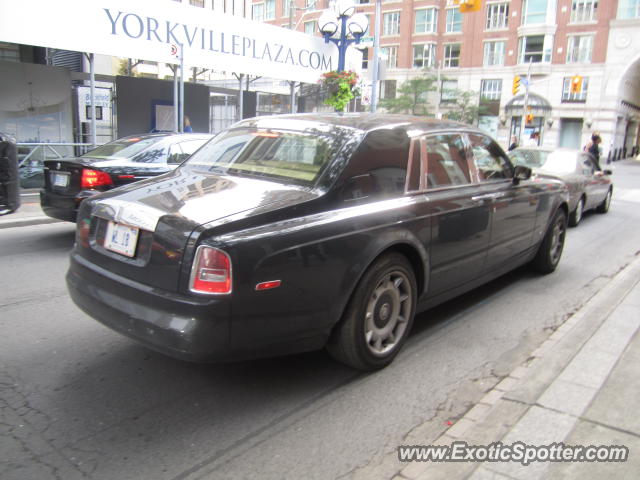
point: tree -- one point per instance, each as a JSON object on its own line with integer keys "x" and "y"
{"x": 126, "y": 66}
{"x": 463, "y": 108}
{"x": 412, "y": 96}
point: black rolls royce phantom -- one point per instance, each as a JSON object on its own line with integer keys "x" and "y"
{"x": 292, "y": 233}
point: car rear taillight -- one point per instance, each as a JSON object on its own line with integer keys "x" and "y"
{"x": 211, "y": 271}
{"x": 94, "y": 178}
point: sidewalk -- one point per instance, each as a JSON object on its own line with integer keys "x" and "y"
{"x": 29, "y": 212}
{"x": 580, "y": 387}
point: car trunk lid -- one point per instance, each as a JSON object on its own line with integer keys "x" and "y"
{"x": 165, "y": 211}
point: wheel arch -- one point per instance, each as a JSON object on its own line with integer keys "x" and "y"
{"x": 409, "y": 247}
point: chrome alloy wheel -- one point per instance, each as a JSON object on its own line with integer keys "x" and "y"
{"x": 557, "y": 240}
{"x": 607, "y": 201}
{"x": 387, "y": 313}
{"x": 579, "y": 211}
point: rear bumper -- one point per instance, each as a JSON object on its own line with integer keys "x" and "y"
{"x": 64, "y": 207}
{"x": 60, "y": 207}
{"x": 183, "y": 327}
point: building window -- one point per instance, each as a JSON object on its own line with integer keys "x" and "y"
{"x": 388, "y": 88}
{"x": 310, "y": 4}
{"x": 454, "y": 20}
{"x": 9, "y": 52}
{"x": 491, "y": 89}
{"x": 365, "y": 57}
{"x": 269, "y": 9}
{"x": 363, "y": 1}
{"x": 628, "y": 9}
{"x": 424, "y": 55}
{"x": 426, "y": 20}
{"x": 286, "y": 8}
{"x": 310, "y": 27}
{"x": 579, "y": 48}
{"x": 392, "y": 56}
{"x": 497, "y": 16}
{"x": 257, "y": 12}
{"x": 583, "y": 11}
{"x": 448, "y": 91}
{"x": 494, "y": 53}
{"x": 391, "y": 24}
{"x": 567, "y": 96}
{"x": 452, "y": 55}
{"x": 534, "y": 11}
{"x": 98, "y": 112}
{"x": 532, "y": 49}
{"x": 197, "y": 3}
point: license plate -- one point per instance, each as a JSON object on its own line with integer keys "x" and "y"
{"x": 59, "y": 179}
{"x": 121, "y": 239}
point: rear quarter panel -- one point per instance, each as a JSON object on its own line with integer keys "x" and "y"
{"x": 319, "y": 258}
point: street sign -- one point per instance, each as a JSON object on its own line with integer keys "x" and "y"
{"x": 365, "y": 97}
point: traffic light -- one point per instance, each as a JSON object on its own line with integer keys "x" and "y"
{"x": 576, "y": 84}
{"x": 516, "y": 84}
{"x": 529, "y": 118}
{"x": 469, "y": 5}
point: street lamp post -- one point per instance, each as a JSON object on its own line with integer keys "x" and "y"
{"x": 352, "y": 27}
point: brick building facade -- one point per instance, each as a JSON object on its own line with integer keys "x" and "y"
{"x": 550, "y": 40}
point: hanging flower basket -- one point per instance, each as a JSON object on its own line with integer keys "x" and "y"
{"x": 341, "y": 87}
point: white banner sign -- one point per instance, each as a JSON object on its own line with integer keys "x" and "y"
{"x": 154, "y": 29}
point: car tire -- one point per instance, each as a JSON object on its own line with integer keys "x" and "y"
{"x": 604, "y": 206}
{"x": 379, "y": 315}
{"x": 550, "y": 250}
{"x": 576, "y": 215}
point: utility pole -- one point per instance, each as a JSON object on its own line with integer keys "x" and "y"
{"x": 375, "y": 78}
{"x": 292, "y": 84}
{"x": 525, "y": 104}
{"x": 181, "y": 114}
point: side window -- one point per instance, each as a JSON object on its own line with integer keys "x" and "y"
{"x": 176, "y": 156}
{"x": 446, "y": 161}
{"x": 378, "y": 168}
{"x": 152, "y": 155}
{"x": 179, "y": 152}
{"x": 489, "y": 160}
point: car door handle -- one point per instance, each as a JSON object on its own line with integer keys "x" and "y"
{"x": 487, "y": 196}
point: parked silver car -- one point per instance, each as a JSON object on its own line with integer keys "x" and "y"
{"x": 589, "y": 186}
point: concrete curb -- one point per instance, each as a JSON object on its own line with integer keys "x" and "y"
{"x": 26, "y": 221}
{"x": 528, "y": 387}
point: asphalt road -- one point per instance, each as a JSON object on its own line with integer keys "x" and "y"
{"x": 79, "y": 401}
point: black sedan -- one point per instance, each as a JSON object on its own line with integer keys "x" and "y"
{"x": 293, "y": 233}
{"x": 589, "y": 186}
{"x": 68, "y": 182}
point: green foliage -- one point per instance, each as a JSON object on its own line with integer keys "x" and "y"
{"x": 464, "y": 108}
{"x": 411, "y": 96}
{"x": 341, "y": 87}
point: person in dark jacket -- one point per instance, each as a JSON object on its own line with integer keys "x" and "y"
{"x": 9, "y": 176}
{"x": 594, "y": 148}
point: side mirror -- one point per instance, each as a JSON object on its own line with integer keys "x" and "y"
{"x": 607, "y": 172}
{"x": 520, "y": 173}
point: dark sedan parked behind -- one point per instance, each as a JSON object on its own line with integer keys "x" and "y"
{"x": 68, "y": 182}
{"x": 290, "y": 233}
{"x": 589, "y": 187}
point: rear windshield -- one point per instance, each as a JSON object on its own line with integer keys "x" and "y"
{"x": 123, "y": 148}
{"x": 552, "y": 162}
{"x": 280, "y": 155}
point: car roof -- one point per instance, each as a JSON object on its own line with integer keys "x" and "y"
{"x": 364, "y": 122}
{"x": 142, "y": 136}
